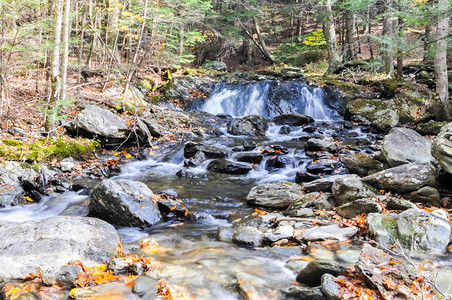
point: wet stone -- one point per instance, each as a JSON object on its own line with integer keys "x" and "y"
{"x": 358, "y": 207}
{"x": 249, "y": 145}
{"x": 331, "y": 290}
{"x": 253, "y": 157}
{"x": 313, "y": 272}
{"x": 331, "y": 232}
{"x": 249, "y": 236}
{"x": 228, "y": 167}
{"x": 143, "y": 285}
{"x": 303, "y": 293}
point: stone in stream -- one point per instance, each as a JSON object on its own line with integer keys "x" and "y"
{"x": 276, "y": 195}
{"x": 279, "y": 162}
{"x": 51, "y": 243}
{"x": 330, "y": 288}
{"x": 442, "y": 148}
{"x": 68, "y": 164}
{"x": 303, "y": 293}
{"x": 249, "y": 145}
{"x": 323, "y": 165}
{"x": 144, "y": 285}
{"x": 333, "y": 232}
{"x": 302, "y": 177}
{"x": 98, "y": 122}
{"x": 313, "y": 272}
{"x": 358, "y": 207}
{"x": 250, "y": 157}
{"x": 195, "y": 160}
{"x": 249, "y": 236}
{"x": 322, "y": 184}
{"x": 65, "y": 275}
{"x": 293, "y": 119}
{"x": 253, "y": 125}
{"x": 124, "y": 202}
{"x": 418, "y": 231}
{"x": 348, "y": 188}
{"x": 363, "y": 164}
{"x": 404, "y": 145}
{"x": 225, "y": 166}
{"x": 191, "y": 149}
{"x": 403, "y": 179}
{"x": 324, "y": 144}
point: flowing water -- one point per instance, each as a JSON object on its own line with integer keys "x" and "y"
{"x": 209, "y": 268}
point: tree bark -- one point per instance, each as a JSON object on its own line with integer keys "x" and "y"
{"x": 54, "y": 69}
{"x": 440, "y": 61}
{"x": 388, "y": 34}
{"x": 66, "y": 32}
{"x": 350, "y": 47}
{"x": 265, "y": 50}
{"x": 334, "y": 59}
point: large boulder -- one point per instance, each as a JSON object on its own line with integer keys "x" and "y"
{"x": 182, "y": 87}
{"x": 124, "y": 202}
{"x": 379, "y": 114}
{"x": 404, "y": 145}
{"x": 417, "y": 230}
{"x": 98, "y": 122}
{"x": 277, "y": 195}
{"x": 253, "y": 125}
{"x": 349, "y": 188}
{"x": 293, "y": 119}
{"x": 403, "y": 179}
{"x": 51, "y": 243}
{"x": 442, "y": 148}
{"x": 215, "y": 65}
{"x": 11, "y": 192}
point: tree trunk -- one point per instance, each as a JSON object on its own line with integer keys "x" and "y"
{"x": 181, "y": 38}
{"x": 265, "y": 50}
{"x": 66, "y": 32}
{"x": 442, "y": 31}
{"x": 388, "y": 33}
{"x": 428, "y": 45}
{"x": 349, "y": 48}
{"x": 54, "y": 69}
{"x": 334, "y": 59}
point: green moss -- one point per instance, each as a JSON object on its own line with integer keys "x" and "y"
{"x": 389, "y": 223}
{"x": 10, "y": 142}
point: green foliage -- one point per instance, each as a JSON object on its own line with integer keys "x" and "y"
{"x": 315, "y": 39}
{"x": 55, "y": 112}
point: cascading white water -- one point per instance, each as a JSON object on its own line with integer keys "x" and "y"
{"x": 269, "y": 99}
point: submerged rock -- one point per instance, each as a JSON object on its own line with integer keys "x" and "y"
{"x": 125, "y": 203}
{"x": 51, "y": 243}
{"x": 404, "y": 145}
{"x": 404, "y": 178}
{"x": 277, "y": 195}
{"x": 417, "y": 230}
{"x": 442, "y": 148}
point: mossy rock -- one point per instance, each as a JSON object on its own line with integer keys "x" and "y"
{"x": 430, "y": 128}
{"x": 350, "y": 90}
{"x": 380, "y": 114}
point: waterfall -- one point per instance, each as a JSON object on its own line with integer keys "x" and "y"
{"x": 269, "y": 99}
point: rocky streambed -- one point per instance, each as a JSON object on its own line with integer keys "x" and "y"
{"x": 242, "y": 201}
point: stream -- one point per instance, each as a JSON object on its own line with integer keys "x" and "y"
{"x": 194, "y": 258}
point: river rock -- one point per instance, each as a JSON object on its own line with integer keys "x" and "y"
{"x": 313, "y": 272}
{"x": 324, "y": 144}
{"x": 358, "y": 207}
{"x": 404, "y": 178}
{"x": 330, "y": 232}
{"x": 68, "y": 164}
{"x": 253, "y": 125}
{"x": 249, "y": 157}
{"x": 363, "y": 164}
{"x": 195, "y": 160}
{"x": 12, "y": 192}
{"x": 249, "y": 236}
{"x": 225, "y": 166}
{"x": 426, "y": 195}
{"x": 430, "y": 128}
{"x": 98, "y": 122}
{"x": 51, "y": 243}
{"x": 249, "y": 145}
{"x": 417, "y": 230}
{"x": 404, "y": 145}
{"x": 323, "y": 165}
{"x": 302, "y": 177}
{"x": 125, "y": 203}
{"x": 330, "y": 289}
{"x": 442, "y": 148}
{"x": 182, "y": 87}
{"x": 191, "y": 149}
{"x": 279, "y": 162}
{"x": 144, "y": 284}
{"x": 292, "y": 119}
{"x": 381, "y": 115}
{"x": 348, "y": 188}
{"x": 65, "y": 275}
{"x": 303, "y": 293}
{"x": 276, "y": 195}
{"x": 279, "y": 233}
{"x": 398, "y": 204}
{"x": 317, "y": 200}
